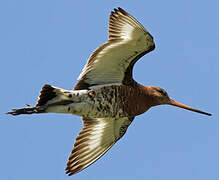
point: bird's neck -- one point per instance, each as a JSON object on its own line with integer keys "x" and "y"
{"x": 150, "y": 99}
{"x": 139, "y": 100}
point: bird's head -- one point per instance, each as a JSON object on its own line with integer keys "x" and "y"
{"x": 160, "y": 97}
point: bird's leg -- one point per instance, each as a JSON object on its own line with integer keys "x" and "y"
{"x": 27, "y": 110}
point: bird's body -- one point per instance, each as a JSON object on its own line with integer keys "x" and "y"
{"x": 105, "y": 101}
{"x": 106, "y": 96}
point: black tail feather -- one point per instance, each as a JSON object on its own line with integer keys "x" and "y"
{"x": 49, "y": 98}
{"x": 47, "y": 93}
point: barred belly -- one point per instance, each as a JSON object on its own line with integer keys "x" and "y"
{"x": 99, "y": 102}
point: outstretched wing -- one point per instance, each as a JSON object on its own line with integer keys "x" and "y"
{"x": 95, "y": 139}
{"x": 112, "y": 62}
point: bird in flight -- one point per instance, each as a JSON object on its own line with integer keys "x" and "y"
{"x": 106, "y": 96}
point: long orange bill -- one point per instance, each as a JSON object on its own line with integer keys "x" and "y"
{"x": 178, "y": 104}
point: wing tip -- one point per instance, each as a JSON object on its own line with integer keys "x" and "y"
{"x": 73, "y": 171}
{"x": 122, "y": 11}
{"x": 118, "y": 10}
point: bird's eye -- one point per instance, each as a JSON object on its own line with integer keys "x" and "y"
{"x": 161, "y": 91}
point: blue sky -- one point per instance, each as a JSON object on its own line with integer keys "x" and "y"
{"x": 49, "y": 41}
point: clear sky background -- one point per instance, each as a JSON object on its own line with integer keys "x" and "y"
{"x": 49, "y": 41}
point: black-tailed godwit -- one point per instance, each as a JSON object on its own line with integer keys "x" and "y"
{"x": 106, "y": 95}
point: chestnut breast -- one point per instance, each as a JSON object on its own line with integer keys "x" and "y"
{"x": 126, "y": 101}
